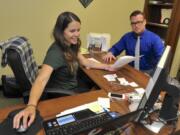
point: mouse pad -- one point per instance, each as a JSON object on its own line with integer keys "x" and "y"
{"x": 6, "y": 127}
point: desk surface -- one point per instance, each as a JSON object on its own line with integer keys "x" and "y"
{"x": 127, "y": 72}
{"x": 50, "y": 108}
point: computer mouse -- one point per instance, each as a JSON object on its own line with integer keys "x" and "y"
{"x": 6, "y": 126}
{"x": 21, "y": 129}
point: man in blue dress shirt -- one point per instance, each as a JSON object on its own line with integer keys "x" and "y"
{"x": 151, "y": 46}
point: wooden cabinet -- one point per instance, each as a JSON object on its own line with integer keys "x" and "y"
{"x": 168, "y": 29}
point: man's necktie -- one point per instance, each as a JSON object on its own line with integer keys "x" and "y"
{"x": 137, "y": 53}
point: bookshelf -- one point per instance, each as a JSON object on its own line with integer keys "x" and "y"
{"x": 168, "y": 29}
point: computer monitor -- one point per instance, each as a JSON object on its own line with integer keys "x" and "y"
{"x": 156, "y": 84}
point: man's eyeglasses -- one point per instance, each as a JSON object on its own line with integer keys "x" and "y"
{"x": 138, "y": 22}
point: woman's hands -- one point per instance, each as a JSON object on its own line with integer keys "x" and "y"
{"x": 109, "y": 68}
{"x": 94, "y": 65}
{"x": 28, "y": 115}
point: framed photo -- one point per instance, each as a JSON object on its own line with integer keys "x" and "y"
{"x": 98, "y": 41}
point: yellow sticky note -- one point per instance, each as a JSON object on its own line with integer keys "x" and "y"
{"x": 95, "y": 107}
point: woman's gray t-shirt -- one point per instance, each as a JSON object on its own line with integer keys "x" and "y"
{"x": 61, "y": 76}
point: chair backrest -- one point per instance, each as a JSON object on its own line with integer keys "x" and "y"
{"x": 18, "y": 54}
{"x": 15, "y": 62}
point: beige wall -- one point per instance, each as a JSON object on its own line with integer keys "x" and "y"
{"x": 176, "y": 62}
{"x": 35, "y": 20}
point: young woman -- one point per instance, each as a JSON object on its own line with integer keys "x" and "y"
{"x": 60, "y": 65}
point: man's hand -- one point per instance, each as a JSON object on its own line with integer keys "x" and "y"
{"x": 109, "y": 57}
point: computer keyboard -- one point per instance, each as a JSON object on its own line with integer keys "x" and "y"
{"x": 79, "y": 126}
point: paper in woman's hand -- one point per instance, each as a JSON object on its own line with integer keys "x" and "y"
{"x": 123, "y": 61}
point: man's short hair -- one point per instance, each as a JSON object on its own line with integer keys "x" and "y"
{"x": 135, "y": 13}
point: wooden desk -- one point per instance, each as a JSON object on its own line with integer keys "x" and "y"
{"x": 50, "y": 108}
{"x": 127, "y": 72}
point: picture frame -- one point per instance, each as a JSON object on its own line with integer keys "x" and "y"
{"x": 98, "y": 41}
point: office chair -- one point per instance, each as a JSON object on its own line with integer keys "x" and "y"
{"x": 15, "y": 62}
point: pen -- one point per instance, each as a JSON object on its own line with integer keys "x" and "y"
{"x": 106, "y": 110}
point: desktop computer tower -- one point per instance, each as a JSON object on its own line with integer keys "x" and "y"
{"x": 169, "y": 108}
{"x": 170, "y": 105}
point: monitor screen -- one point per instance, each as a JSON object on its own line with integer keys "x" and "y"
{"x": 155, "y": 84}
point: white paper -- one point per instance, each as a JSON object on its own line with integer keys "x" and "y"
{"x": 104, "y": 102}
{"x": 155, "y": 126}
{"x": 123, "y": 61}
{"x": 75, "y": 109}
{"x": 95, "y": 106}
{"x": 133, "y": 84}
{"x": 110, "y": 77}
{"x": 140, "y": 90}
{"x": 123, "y": 81}
{"x": 133, "y": 106}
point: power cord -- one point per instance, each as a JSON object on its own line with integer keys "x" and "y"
{"x": 119, "y": 130}
{"x": 123, "y": 128}
{"x": 155, "y": 118}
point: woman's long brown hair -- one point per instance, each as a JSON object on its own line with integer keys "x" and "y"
{"x": 70, "y": 52}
